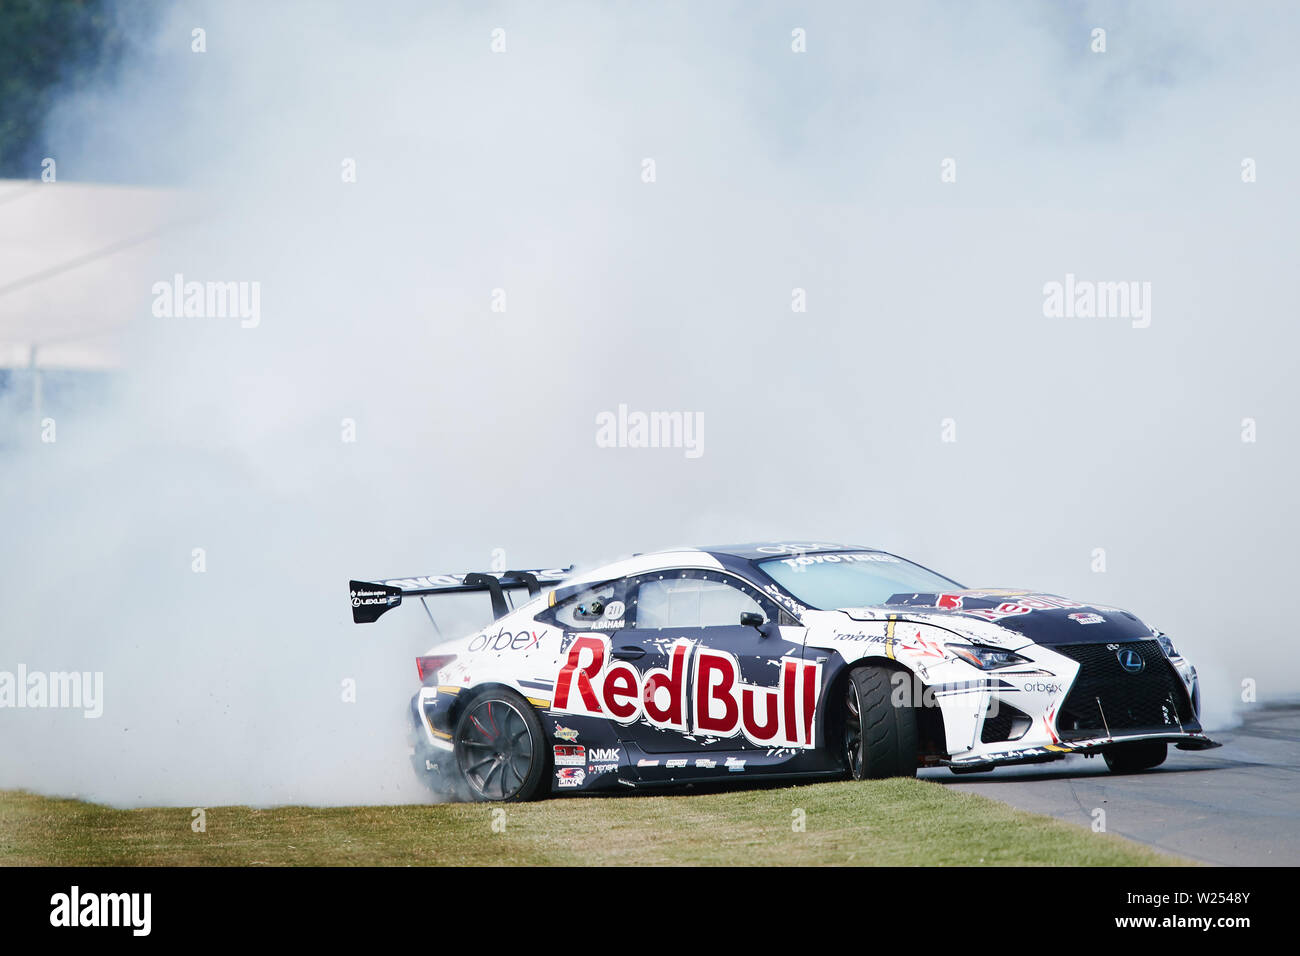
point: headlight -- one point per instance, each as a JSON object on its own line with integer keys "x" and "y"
{"x": 1166, "y": 645}
{"x": 986, "y": 658}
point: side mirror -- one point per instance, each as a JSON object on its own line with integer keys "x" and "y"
{"x": 764, "y": 627}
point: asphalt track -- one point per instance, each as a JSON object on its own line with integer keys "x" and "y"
{"x": 1238, "y": 805}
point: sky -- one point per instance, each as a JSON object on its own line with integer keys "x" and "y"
{"x": 385, "y": 416}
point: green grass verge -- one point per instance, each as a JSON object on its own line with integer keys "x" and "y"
{"x": 895, "y": 822}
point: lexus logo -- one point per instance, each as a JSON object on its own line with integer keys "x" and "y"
{"x": 1130, "y": 660}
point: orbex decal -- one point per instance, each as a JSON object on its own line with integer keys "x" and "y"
{"x": 591, "y": 684}
{"x": 503, "y": 640}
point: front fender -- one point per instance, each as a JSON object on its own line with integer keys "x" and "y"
{"x": 954, "y": 694}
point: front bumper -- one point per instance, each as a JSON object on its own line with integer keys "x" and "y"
{"x": 1066, "y": 699}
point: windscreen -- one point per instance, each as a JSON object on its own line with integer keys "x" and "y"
{"x": 852, "y": 578}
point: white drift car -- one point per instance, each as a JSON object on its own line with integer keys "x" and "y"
{"x": 777, "y": 660}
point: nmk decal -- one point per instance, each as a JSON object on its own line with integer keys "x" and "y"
{"x": 719, "y": 703}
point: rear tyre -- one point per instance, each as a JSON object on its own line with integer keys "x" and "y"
{"x": 1137, "y": 756}
{"x": 880, "y": 737}
{"x": 499, "y": 747}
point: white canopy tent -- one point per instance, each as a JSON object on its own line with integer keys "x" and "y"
{"x": 70, "y": 259}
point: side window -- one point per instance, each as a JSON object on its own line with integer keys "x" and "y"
{"x": 596, "y": 608}
{"x": 693, "y": 599}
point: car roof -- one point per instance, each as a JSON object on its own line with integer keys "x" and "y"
{"x": 736, "y": 558}
{"x": 759, "y": 550}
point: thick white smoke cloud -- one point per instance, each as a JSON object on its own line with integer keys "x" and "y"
{"x": 475, "y": 429}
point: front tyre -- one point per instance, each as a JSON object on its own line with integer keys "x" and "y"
{"x": 880, "y": 737}
{"x": 499, "y": 747}
{"x": 1137, "y": 756}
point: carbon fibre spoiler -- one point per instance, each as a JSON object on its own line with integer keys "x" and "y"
{"x": 370, "y": 599}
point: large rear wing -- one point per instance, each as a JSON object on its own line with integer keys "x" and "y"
{"x": 370, "y": 599}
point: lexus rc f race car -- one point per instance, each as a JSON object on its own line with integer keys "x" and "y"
{"x": 777, "y": 660}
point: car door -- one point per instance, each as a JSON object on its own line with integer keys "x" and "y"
{"x": 711, "y": 686}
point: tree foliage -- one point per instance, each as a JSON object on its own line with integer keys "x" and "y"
{"x": 47, "y": 48}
